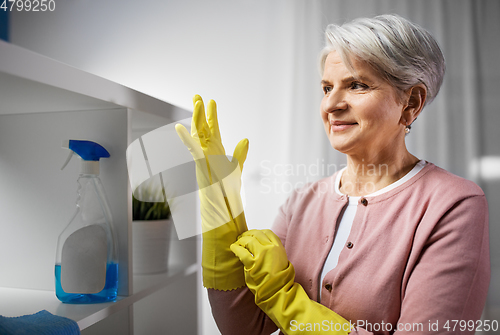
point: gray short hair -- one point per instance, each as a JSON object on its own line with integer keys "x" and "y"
{"x": 404, "y": 53}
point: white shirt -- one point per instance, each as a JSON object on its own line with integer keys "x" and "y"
{"x": 344, "y": 228}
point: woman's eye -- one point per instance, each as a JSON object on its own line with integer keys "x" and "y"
{"x": 358, "y": 86}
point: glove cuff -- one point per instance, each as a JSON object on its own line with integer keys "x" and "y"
{"x": 222, "y": 270}
{"x": 288, "y": 305}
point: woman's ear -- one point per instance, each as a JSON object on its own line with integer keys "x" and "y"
{"x": 416, "y": 101}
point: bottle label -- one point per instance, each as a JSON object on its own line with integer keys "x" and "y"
{"x": 83, "y": 261}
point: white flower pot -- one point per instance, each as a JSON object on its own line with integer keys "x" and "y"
{"x": 150, "y": 243}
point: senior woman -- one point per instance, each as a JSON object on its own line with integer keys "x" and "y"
{"x": 390, "y": 244}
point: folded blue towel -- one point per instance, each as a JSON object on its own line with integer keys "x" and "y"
{"x": 41, "y": 323}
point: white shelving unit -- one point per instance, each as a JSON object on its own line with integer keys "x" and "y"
{"x": 42, "y": 103}
{"x": 16, "y": 302}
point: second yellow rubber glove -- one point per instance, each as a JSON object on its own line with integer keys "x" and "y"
{"x": 219, "y": 183}
{"x": 270, "y": 276}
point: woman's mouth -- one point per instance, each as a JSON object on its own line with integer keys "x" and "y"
{"x": 337, "y": 126}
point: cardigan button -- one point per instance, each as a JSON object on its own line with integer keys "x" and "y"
{"x": 349, "y": 245}
{"x": 328, "y": 287}
{"x": 364, "y": 202}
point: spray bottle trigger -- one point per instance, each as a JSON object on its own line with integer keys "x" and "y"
{"x": 67, "y": 159}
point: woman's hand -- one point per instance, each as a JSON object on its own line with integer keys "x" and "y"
{"x": 271, "y": 278}
{"x": 205, "y": 144}
{"x": 267, "y": 268}
{"x": 219, "y": 183}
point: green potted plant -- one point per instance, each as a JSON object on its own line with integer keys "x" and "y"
{"x": 151, "y": 230}
{"x": 147, "y": 211}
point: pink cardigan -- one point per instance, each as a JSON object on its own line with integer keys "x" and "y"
{"x": 417, "y": 256}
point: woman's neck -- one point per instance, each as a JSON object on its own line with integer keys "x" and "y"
{"x": 368, "y": 174}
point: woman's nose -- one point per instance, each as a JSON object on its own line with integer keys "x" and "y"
{"x": 334, "y": 102}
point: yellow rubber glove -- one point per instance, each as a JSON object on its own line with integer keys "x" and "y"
{"x": 219, "y": 183}
{"x": 270, "y": 276}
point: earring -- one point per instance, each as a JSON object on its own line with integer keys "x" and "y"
{"x": 407, "y": 129}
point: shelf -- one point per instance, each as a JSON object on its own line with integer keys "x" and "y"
{"x": 43, "y": 102}
{"x": 33, "y": 83}
{"x": 17, "y": 302}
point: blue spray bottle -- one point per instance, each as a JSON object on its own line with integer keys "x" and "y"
{"x": 87, "y": 253}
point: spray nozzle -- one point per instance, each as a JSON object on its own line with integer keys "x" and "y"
{"x": 89, "y": 151}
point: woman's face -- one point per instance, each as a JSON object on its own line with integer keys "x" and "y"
{"x": 362, "y": 116}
